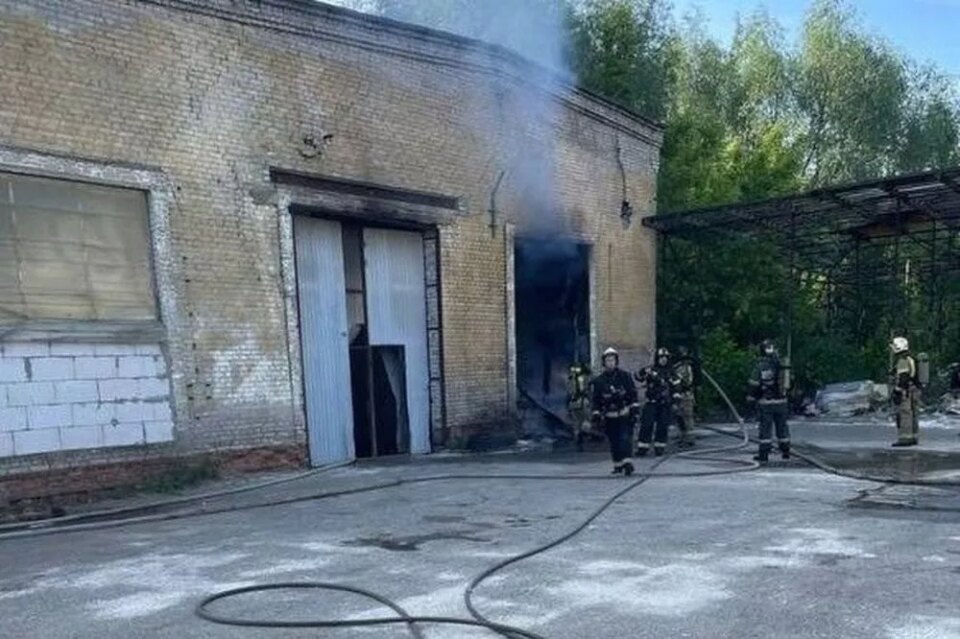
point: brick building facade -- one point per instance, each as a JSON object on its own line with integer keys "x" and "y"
{"x": 233, "y": 117}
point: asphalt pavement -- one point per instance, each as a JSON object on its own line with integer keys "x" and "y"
{"x": 785, "y": 551}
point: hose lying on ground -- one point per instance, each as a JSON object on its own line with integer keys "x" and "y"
{"x": 205, "y": 608}
{"x": 479, "y": 619}
{"x": 817, "y": 463}
{"x": 114, "y": 513}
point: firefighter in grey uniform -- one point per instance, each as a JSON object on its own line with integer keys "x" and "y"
{"x": 768, "y": 390}
{"x": 905, "y": 392}
{"x": 615, "y": 406}
{"x": 684, "y": 398}
{"x": 578, "y": 402}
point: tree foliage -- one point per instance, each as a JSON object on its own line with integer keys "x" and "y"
{"x": 752, "y": 119}
{"x": 759, "y": 118}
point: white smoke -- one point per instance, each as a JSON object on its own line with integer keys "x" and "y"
{"x": 514, "y": 119}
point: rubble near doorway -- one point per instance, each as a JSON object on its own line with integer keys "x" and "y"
{"x": 552, "y": 287}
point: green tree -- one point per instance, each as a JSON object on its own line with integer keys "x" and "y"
{"x": 851, "y": 91}
{"x": 620, "y": 49}
{"x": 757, "y": 118}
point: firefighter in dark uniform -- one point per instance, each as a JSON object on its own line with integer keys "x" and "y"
{"x": 661, "y": 386}
{"x": 615, "y": 406}
{"x": 684, "y": 402}
{"x": 905, "y": 393}
{"x": 768, "y": 390}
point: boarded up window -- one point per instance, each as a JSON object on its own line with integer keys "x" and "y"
{"x": 73, "y": 251}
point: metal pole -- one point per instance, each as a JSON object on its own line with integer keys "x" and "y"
{"x": 791, "y": 288}
{"x": 859, "y": 318}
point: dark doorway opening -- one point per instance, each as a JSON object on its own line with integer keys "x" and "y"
{"x": 552, "y": 283}
{"x": 378, "y": 384}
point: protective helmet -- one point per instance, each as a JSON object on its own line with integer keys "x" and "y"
{"x": 663, "y": 351}
{"x": 683, "y": 351}
{"x": 900, "y": 345}
{"x": 767, "y": 345}
{"x": 610, "y": 352}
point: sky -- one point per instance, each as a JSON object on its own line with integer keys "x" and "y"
{"x": 927, "y": 30}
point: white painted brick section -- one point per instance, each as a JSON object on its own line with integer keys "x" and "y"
{"x": 75, "y": 392}
{"x": 96, "y": 367}
{"x": 13, "y": 419}
{"x": 49, "y": 416}
{"x": 70, "y": 350}
{"x": 6, "y": 444}
{"x": 153, "y": 388}
{"x": 51, "y": 368}
{"x": 162, "y": 412}
{"x": 112, "y": 390}
{"x": 13, "y": 369}
{"x": 160, "y": 431}
{"x": 134, "y": 412}
{"x": 69, "y": 396}
{"x": 122, "y": 434}
{"x": 136, "y": 366}
{"x": 80, "y": 437}
{"x": 94, "y": 414}
{"x": 30, "y": 394}
{"x": 31, "y": 442}
{"x": 26, "y": 349}
{"x": 115, "y": 349}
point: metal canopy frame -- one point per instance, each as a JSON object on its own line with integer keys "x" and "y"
{"x": 912, "y": 221}
{"x": 821, "y": 228}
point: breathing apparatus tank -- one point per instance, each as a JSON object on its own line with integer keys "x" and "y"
{"x": 785, "y": 377}
{"x": 923, "y": 369}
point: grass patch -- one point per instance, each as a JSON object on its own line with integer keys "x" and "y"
{"x": 183, "y": 474}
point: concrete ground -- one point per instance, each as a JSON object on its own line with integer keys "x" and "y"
{"x": 786, "y": 551}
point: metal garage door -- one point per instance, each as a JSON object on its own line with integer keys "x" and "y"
{"x": 396, "y": 299}
{"x": 324, "y": 341}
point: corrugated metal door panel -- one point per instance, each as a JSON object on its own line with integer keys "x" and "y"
{"x": 323, "y": 338}
{"x": 397, "y": 305}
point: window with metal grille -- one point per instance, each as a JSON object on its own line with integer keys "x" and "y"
{"x": 73, "y": 251}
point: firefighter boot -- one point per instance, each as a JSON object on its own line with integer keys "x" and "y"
{"x": 785, "y": 451}
{"x": 627, "y": 468}
{"x": 761, "y": 457}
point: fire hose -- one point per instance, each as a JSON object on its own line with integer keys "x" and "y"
{"x": 207, "y": 609}
{"x": 479, "y": 619}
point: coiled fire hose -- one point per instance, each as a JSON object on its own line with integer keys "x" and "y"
{"x": 206, "y": 609}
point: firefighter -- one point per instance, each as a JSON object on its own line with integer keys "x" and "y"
{"x": 768, "y": 390}
{"x": 906, "y": 392}
{"x": 661, "y": 385}
{"x": 578, "y": 401}
{"x": 684, "y": 401}
{"x": 615, "y": 406}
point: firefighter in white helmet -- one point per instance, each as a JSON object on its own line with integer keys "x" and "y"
{"x": 615, "y": 406}
{"x": 905, "y": 392}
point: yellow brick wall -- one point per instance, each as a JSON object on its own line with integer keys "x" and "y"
{"x": 213, "y": 98}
